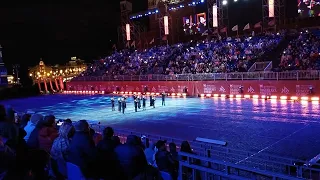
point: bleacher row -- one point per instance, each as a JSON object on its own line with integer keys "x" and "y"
{"x": 210, "y": 56}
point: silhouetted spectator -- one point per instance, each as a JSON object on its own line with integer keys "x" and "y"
{"x": 8, "y": 129}
{"x": 131, "y": 157}
{"x": 82, "y": 151}
{"x": 164, "y": 159}
{"x": 116, "y": 141}
{"x": 150, "y": 153}
{"x": 31, "y": 125}
{"x": 48, "y": 133}
{"x": 24, "y": 120}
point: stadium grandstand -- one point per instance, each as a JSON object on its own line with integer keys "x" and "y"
{"x": 271, "y": 76}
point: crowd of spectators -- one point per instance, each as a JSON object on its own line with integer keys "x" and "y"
{"x": 208, "y": 56}
{"x": 36, "y": 147}
{"x": 302, "y": 53}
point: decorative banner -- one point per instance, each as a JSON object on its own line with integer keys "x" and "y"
{"x": 56, "y": 82}
{"x": 215, "y": 16}
{"x": 39, "y": 85}
{"x": 51, "y": 85}
{"x": 128, "y": 33}
{"x": 271, "y": 8}
{"x": 61, "y": 83}
{"x": 166, "y": 25}
{"x": 250, "y": 87}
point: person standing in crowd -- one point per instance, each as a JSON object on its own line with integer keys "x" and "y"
{"x": 164, "y": 159}
{"x": 31, "y": 125}
{"x": 144, "y": 99}
{"x": 112, "y": 104}
{"x": 119, "y": 104}
{"x": 163, "y": 95}
{"x": 124, "y": 105}
{"x": 136, "y": 105}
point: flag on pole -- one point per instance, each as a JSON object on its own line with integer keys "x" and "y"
{"x": 258, "y": 25}
{"x": 235, "y": 28}
{"x": 152, "y": 41}
{"x": 133, "y": 44}
{"x": 247, "y": 27}
{"x": 223, "y": 30}
{"x": 272, "y": 23}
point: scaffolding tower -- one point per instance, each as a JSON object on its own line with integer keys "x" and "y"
{"x": 135, "y": 28}
{"x": 223, "y": 14}
{"x": 279, "y": 13}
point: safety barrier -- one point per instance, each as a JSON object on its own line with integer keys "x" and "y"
{"x": 289, "y": 75}
{"x": 253, "y": 161}
{"x": 270, "y": 88}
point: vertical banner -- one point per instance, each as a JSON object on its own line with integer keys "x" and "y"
{"x": 56, "y": 82}
{"x": 166, "y": 25}
{"x": 271, "y": 8}
{"x": 61, "y": 83}
{"x": 39, "y": 85}
{"x": 51, "y": 85}
{"x": 45, "y": 85}
{"x": 215, "y": 16}
{"x": 128, "y": 32}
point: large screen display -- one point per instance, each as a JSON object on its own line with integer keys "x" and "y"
{"x": 195, "y": 24}
{"x": 309, "y": 8}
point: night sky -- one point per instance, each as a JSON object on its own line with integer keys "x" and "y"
{"x": 56, "y": 31}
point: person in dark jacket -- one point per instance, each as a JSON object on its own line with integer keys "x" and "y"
{"x": 144, "y": 99}
{"x": 124, "y": 105}
{"x": 163, "y": 97}
{"x": 119, "y": 104}
{"x": 131, "y": 157}
{"x": 136, "y": 105}
{"x": 112, "y": 104}
{"x": 106, "y": 154}
{"x": 164, "y": 159}
{"x": 82, "y": 151}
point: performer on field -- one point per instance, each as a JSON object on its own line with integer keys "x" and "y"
{"x": 163, "y": 95}
{"x": 150, "y": 100}
{"x": 124, "y": 105}
{"x": 139, "y": 101}
{"x": 112, "y": 104}
{"x": 144, "y": 99}
{"x": 119, "y": 104}
{"x": 153, "y": 101}
{"x": 136, "y": 105}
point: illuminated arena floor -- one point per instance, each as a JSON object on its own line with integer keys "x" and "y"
{"x": 290, "y": 129}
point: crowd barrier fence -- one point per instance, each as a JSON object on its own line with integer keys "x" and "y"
{"x": 288, "y": 75}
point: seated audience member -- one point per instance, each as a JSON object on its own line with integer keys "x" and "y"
{"x": 164, "y": 159}
{"x": 82, "y": 151}
{"x": 60, "y": 147}
{"x": 173, "y": 151}
{"x": 116, "y": 141}
{"x": 150, "y": 153}
{"x": 67, "y": 121}
{"x": 106, "y": 144}
{"x": 8, "y": 129}
{"x": 31, "y": 125}
{"x": 24, "y": 120}
{"x": 48, "y": 133}
{"x": 131, "y": 157}
{"x": 7, "y": 157}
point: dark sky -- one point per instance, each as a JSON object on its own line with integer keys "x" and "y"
{"x": 55, "y": 31}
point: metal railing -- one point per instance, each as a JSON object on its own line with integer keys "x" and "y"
{"x": 289, "y": 75}
{"x": 208, "y": 168}
{"x": 252, "y": 160}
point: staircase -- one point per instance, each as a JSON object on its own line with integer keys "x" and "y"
{"x": 261, "y": 66}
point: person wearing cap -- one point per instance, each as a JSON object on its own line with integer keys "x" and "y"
{"x": 124, "y": 105}
{"x": 119, "y": 104}
{"x": 163, "y": 97}
{"x": 164, "y": 159}
{"x": 144, "y": 99}
{"x": 112, "y": 104}
{"x": 82, "y": 151}
{"x": 136, "y": 105}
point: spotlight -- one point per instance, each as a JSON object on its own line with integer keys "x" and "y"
{"x": 235, "y": 0}
{"x": 224, "y": 2}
